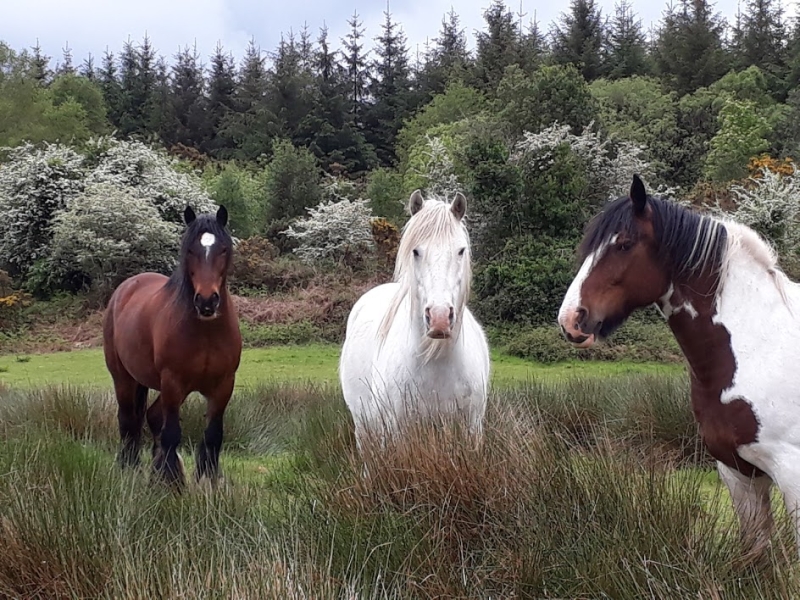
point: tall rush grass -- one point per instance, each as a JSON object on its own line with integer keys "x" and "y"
{"x": 581, "y": 489}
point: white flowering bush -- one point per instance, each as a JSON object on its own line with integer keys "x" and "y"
{"x": 609, "y": 164}
{"x": 110, "y": 233}
{"x": 338, "y": 231}
{"x": 42, "y": 188}
{"x": 770, "y": 204}
{"x": 153, "y": 174}
{"x": 35, "y": 184}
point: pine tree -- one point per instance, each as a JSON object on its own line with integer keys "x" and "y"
{"x": 289, "y": 87}
{"x": 88, "y": 69}
{"x": 138, "y": 83}
{"x": 40, "y": 65}
{"x": 447, "y": 59}
{"x": 158, "y": 114}
{"x": 221, "y": 90}
{"x": 689, "y": 52}
{"x": 389, "y": 89}
{"x": 533, "y": 48}
{"x": 251, "y": 127}
{"x": 111, "y": 88}
{"x": 66, "y": 67}
{"x": 497, "y": 47}
{"x": 580, "y": 39}
{"x": 356, "y": 71}
{"x": 190, "y": 125}
{"x": 627, "y": 44}
{"x": 329, "y": 130}
{"x": 759, "y": 35}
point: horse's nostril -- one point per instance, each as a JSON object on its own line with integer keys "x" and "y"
{"x": 428, "y": 317}
{"x": 198, "y": 298}
{"x": 452, "y": 315}
{"x": 215, "y": 298}
{"x": 581, "y": 313}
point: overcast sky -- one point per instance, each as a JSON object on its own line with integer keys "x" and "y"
{"x": 92, "y": 25}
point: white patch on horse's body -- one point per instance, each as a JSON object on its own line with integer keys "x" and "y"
{"x": 667, "y": 309}
{"x": 754, "y": 304}
{"x": 207, "y": 240}
{"x": 390, "y": 369}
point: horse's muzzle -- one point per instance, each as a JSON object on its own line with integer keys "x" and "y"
{"x": 439, "y": 321}
{"x": 573, "y": 327}
{"x": 207, "y": 307}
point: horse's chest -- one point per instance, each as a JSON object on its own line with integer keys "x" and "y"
{"x": 725, "y": 426}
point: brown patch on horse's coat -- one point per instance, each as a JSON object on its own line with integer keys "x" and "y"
{"x": 707, "y": 346}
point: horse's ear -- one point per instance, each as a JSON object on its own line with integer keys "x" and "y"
{"x": 459, "y": 206}
{"x": 415, "y": 202}
{"x": 222, "y": 216}
{"x": 188, "y": 215}
{"x": 638, "y": 195}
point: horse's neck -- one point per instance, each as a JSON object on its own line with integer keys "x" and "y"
{"x": 702, "y": 313}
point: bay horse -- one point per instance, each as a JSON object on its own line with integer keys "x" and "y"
{"x": 177, "y": 335}
{"x": 733, "y": 313}
{"x": 412, "y": 345}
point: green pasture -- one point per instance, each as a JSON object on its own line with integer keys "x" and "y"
{"x": 316, "y": 363}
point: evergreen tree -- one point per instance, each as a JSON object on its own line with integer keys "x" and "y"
{"x": 627, "y": 44}
{"x": 138, "y": 85}
{"x": 533, "y": 48}
{"x": 250, "y": 127}
{"x": 111, "y": 88}
{"x": 389, "y": 89}
{"x": 88, "y": 69}
{"x": 580, "y": 39}
{"x": 66, "y": 67}
{"x": 448, "y": 59}
{"x": 689, "y": 52}
{"x": 159, "y": 114}
{"x": 356, "y": 71}
{"x": 40, "y": 65}
{"x": 758, "y": 36}
{"x": 497, "y": 47}
{"x": 290, "y": 87}
{"x": 190, "y": 125}
{"x": 221, "y": 90}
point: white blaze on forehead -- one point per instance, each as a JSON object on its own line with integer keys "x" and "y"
{"x": 572, "y": 299}
{"x": 207, "y": 240}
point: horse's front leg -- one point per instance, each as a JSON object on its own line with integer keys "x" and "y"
{"x": 209, "y": 448}
{"x": 751, "y": 501}
{"x": 167, "y": 463}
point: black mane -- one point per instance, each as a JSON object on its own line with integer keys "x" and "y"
{"x": 687, "y": 240}
{"x": 180, "y": 281}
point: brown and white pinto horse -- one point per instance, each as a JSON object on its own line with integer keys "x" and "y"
{"x": 176, "y": 335}
{"x": 735, "y": 316}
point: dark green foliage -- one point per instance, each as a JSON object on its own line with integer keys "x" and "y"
{"x": 525, "y": 282}
{"x": 221, "y": 99}
{"x": 449, "y": 58}
{"x": 250, "y": 128}
{"x": 190, "y": 124}
{"x": 759, "y": 38}
{"x": 291, "y": 182}
{"x": 552, "y": 94}
{"x": 580, "y": 39}
{"x": 689, "y": 52}
{"x": 497, "y": 48}
{"x": 626, "y": 44}
{"x": 390, "y": 89}
{"x": 385, "y": 192}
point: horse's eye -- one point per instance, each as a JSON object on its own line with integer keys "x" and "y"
{"x": 416, "y": 253}
{"x": 461, "y": 252}
{"x": 625, "y": 245}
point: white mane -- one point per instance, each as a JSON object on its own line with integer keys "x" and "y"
{"x": 434, "y": 221}
{"x": 742, "y": 240}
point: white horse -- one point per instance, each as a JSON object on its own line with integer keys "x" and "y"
{"x": 412, "y": 346}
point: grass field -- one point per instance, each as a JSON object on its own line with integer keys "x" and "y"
{"x": 316, "y": 363}
{"x": 590, "y": 483}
